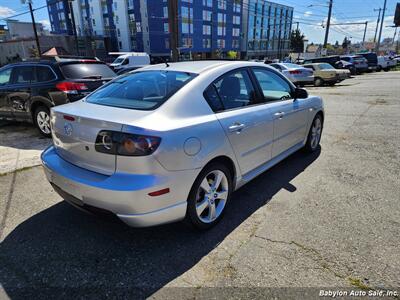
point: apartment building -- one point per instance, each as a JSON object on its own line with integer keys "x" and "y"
{"x": 206, "y": 28}
{"x": 267, "y": 29}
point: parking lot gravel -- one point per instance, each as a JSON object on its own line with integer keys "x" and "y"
{"x": 325, "y": 220}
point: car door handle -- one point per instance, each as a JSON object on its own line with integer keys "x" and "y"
{"x": 236, "y": 127}
{"x": 279, "y": 114}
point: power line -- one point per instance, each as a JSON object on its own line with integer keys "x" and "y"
{"x": 24, "y": 13}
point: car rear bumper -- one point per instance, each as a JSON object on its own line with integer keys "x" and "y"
{"x": 124, "y": 195}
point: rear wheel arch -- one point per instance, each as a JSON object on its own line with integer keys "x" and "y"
{"x": 35, "y": 105}
{"x": 226, "y": 161}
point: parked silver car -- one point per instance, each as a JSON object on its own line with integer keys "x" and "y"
{"x": 295, "y": 73}
{"x": 173, "y": 141}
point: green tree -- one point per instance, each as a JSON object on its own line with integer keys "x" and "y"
{"x": 297, "y": 41}
{"x": 346, "y": 43}
{"x": 232, "y": 54}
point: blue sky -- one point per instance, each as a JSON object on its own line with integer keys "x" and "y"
{"x": 310, "y": 18}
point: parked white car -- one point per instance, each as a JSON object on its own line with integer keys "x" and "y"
{"x": 385, "y": 63}
{"x": 173, "y": 141}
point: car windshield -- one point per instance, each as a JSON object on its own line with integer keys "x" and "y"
{"x": 326, "y": 67}
{"x": 143, "y": 90}
{"x": 291, "y": 66}
{"x": 118, "y": 60}
{"x": 87, "y": 70}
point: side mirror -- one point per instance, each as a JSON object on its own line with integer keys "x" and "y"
{"x": 300, "y": 93}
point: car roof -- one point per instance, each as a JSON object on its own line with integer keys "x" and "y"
{"x": 30, "y": 62}
{"x": 200, "y": 66}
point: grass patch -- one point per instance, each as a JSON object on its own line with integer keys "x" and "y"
{"x": 358, "y": 283}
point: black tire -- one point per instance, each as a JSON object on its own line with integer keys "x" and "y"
{"x": 318, "y": 81}
{"x": 42, "y": 110}
{"x": 379, "y": 68}
{"x": 311, "y": 146}
{"x": 191, "y": 214}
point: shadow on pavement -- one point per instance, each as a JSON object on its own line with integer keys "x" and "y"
{"x": 61, "y": 251}
{"x": 23, "y": 136}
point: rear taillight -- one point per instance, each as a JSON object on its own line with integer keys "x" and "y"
{"x": 295, "y": 72}
{"x": 71, "y": 87}
{"x": 119, "y": 143}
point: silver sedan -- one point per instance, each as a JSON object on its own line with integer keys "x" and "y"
{"x": 174, "y": 141}
{"x": 295, "y": 73}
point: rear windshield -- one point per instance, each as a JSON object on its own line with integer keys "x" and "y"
{"x": 325, "y": 67}
{"x": 143, "y": 90}
{"x": 87, "y": 71}
{"x": 292, "y": 66}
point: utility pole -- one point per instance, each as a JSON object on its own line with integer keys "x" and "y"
{"x": 173, "y": 27}
{"x": 71, "y": 11}
{"x": 33, "y": 25}
{"x": 297, "y": 27}
{"x": 365, "y": 32}
{"x": 328, "y": 23}
{"x": 377, "y": 22}
{"x": 380, "y": 30}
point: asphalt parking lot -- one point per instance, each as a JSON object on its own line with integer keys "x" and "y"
{"x": 329, "y": 219}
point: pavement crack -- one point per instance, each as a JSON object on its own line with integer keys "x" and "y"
{"x": 325, "y": 264}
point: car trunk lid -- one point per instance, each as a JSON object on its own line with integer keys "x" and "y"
{"x": 76, "y": 126}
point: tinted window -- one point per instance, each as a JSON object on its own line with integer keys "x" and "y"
{"x": 235, "y": 90}
{"x": 141, "y": 90}
{"x": 346, "y": 58}
{"x": 44, "y": 74}
{"x": 273, "y": 86}
{"x": 88, "y": 71}
{"x": 213, "y": 99}
{"x": 5, "y": 76}
{"x": 22, "y": 75}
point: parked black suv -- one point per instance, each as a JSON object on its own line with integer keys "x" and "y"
{"x": 29, "y": 89}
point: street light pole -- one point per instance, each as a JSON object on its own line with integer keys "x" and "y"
{"x": 365, "y": 32}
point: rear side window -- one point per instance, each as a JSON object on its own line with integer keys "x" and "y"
{"x": 22, "y": 75}
{"x": 44, "y": 74}
{"x": 235, "y": 90}
{"x": 5, "y": 76}
{"x": 141, "y": 90}
{"x": 87, "y": 71}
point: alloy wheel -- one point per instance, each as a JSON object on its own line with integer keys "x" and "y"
{"x": 211, "y": 196}
{"x": 316, "y": 130}
{"x": 43, "y": 122}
